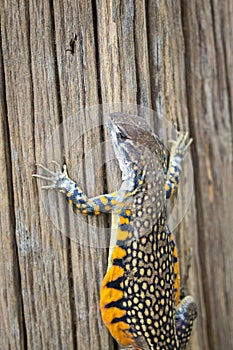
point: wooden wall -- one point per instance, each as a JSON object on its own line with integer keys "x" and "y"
{"x": 174, "y": 57}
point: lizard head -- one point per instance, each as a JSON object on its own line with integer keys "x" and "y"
{"x": 133, "y": 142}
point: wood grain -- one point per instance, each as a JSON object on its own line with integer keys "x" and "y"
{"x": 173, "y": 57}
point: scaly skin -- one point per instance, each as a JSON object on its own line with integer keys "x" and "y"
{"x": 139, "y": 297}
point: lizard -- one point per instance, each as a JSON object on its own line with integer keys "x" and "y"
{"x": 139, "y": 297}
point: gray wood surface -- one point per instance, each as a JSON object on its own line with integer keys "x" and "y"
{"x": 174, "y": 57}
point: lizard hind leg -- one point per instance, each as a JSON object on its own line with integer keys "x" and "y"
{"x": 186, "y": 313}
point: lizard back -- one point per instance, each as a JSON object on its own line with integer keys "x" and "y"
{"x": 138, "y": 291}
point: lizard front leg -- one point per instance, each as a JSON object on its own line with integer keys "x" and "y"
{"x": 177, "y": 155}
{"x": 60, "y": 181}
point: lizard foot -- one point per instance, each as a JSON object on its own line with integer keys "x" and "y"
{"x": 54, "y": 177}
{"x": 181, "y": 145}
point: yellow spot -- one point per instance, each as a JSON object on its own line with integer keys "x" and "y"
{"x": 140, "y": 255}
{"x": 123, "y": 220}
{"x": 144, "y": 327}
{"x": 142, "y": 271}
{"x": 171, "y": 170}
{"x": 113, "y": 201}
{"x": 69, "y": 194}
{"x": 107, "y": 207}
{"x": 122, "y": 235}
{"x": 128, "y": 212}
{"x": 140, "y": 305}
{"x": 104, "y": 200}
{"x": 70, "y": 201}
{"x": 97, "y": 209}
{"x": 84, "y": 211}
{"x": 166, "y": 187}
{"x": 144, "y": 285}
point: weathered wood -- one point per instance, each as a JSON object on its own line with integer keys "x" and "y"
{"x": 209, "y": 78}
{"x": 172, "y": 56}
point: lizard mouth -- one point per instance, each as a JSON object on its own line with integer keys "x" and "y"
{"x": 126, "y": 168}
{"x": 120, "y": 146}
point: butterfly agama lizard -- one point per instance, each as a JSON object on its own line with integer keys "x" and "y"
{"x": 139, "y": 298}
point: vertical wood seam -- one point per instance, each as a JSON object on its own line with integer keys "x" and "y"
{"x": 54, "y": 47}
{"x": 97, "y": 54}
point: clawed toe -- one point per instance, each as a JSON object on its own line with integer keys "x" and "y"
{"x": 56, "y": 175}
{"x": 181, "y": 145}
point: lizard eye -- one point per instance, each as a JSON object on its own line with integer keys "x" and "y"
{"x": 122, "y": 136}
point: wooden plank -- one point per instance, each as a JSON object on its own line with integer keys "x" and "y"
{"x": 30, "y": 92}
{"x": 172, "y": 56}
{"x": 167, "y": 74}
{"x": 207, "y": 31}
{"x": 81, "y": 131}
{"x": 11, "y": 307}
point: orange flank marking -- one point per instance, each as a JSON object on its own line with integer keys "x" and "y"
{"x": 113, "y": 273}
{"x": 119, "y": 330}
{"x": 108, "y": 295}
{"x": 177, "y": 286}
{"x": 177, "y": 279}
{"x": 118, "y": 253}
{"x": 176, "y": 271}
{"x": 124, "y": 220}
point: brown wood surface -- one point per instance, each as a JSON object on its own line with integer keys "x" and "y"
{"x": 172, "y": 56}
